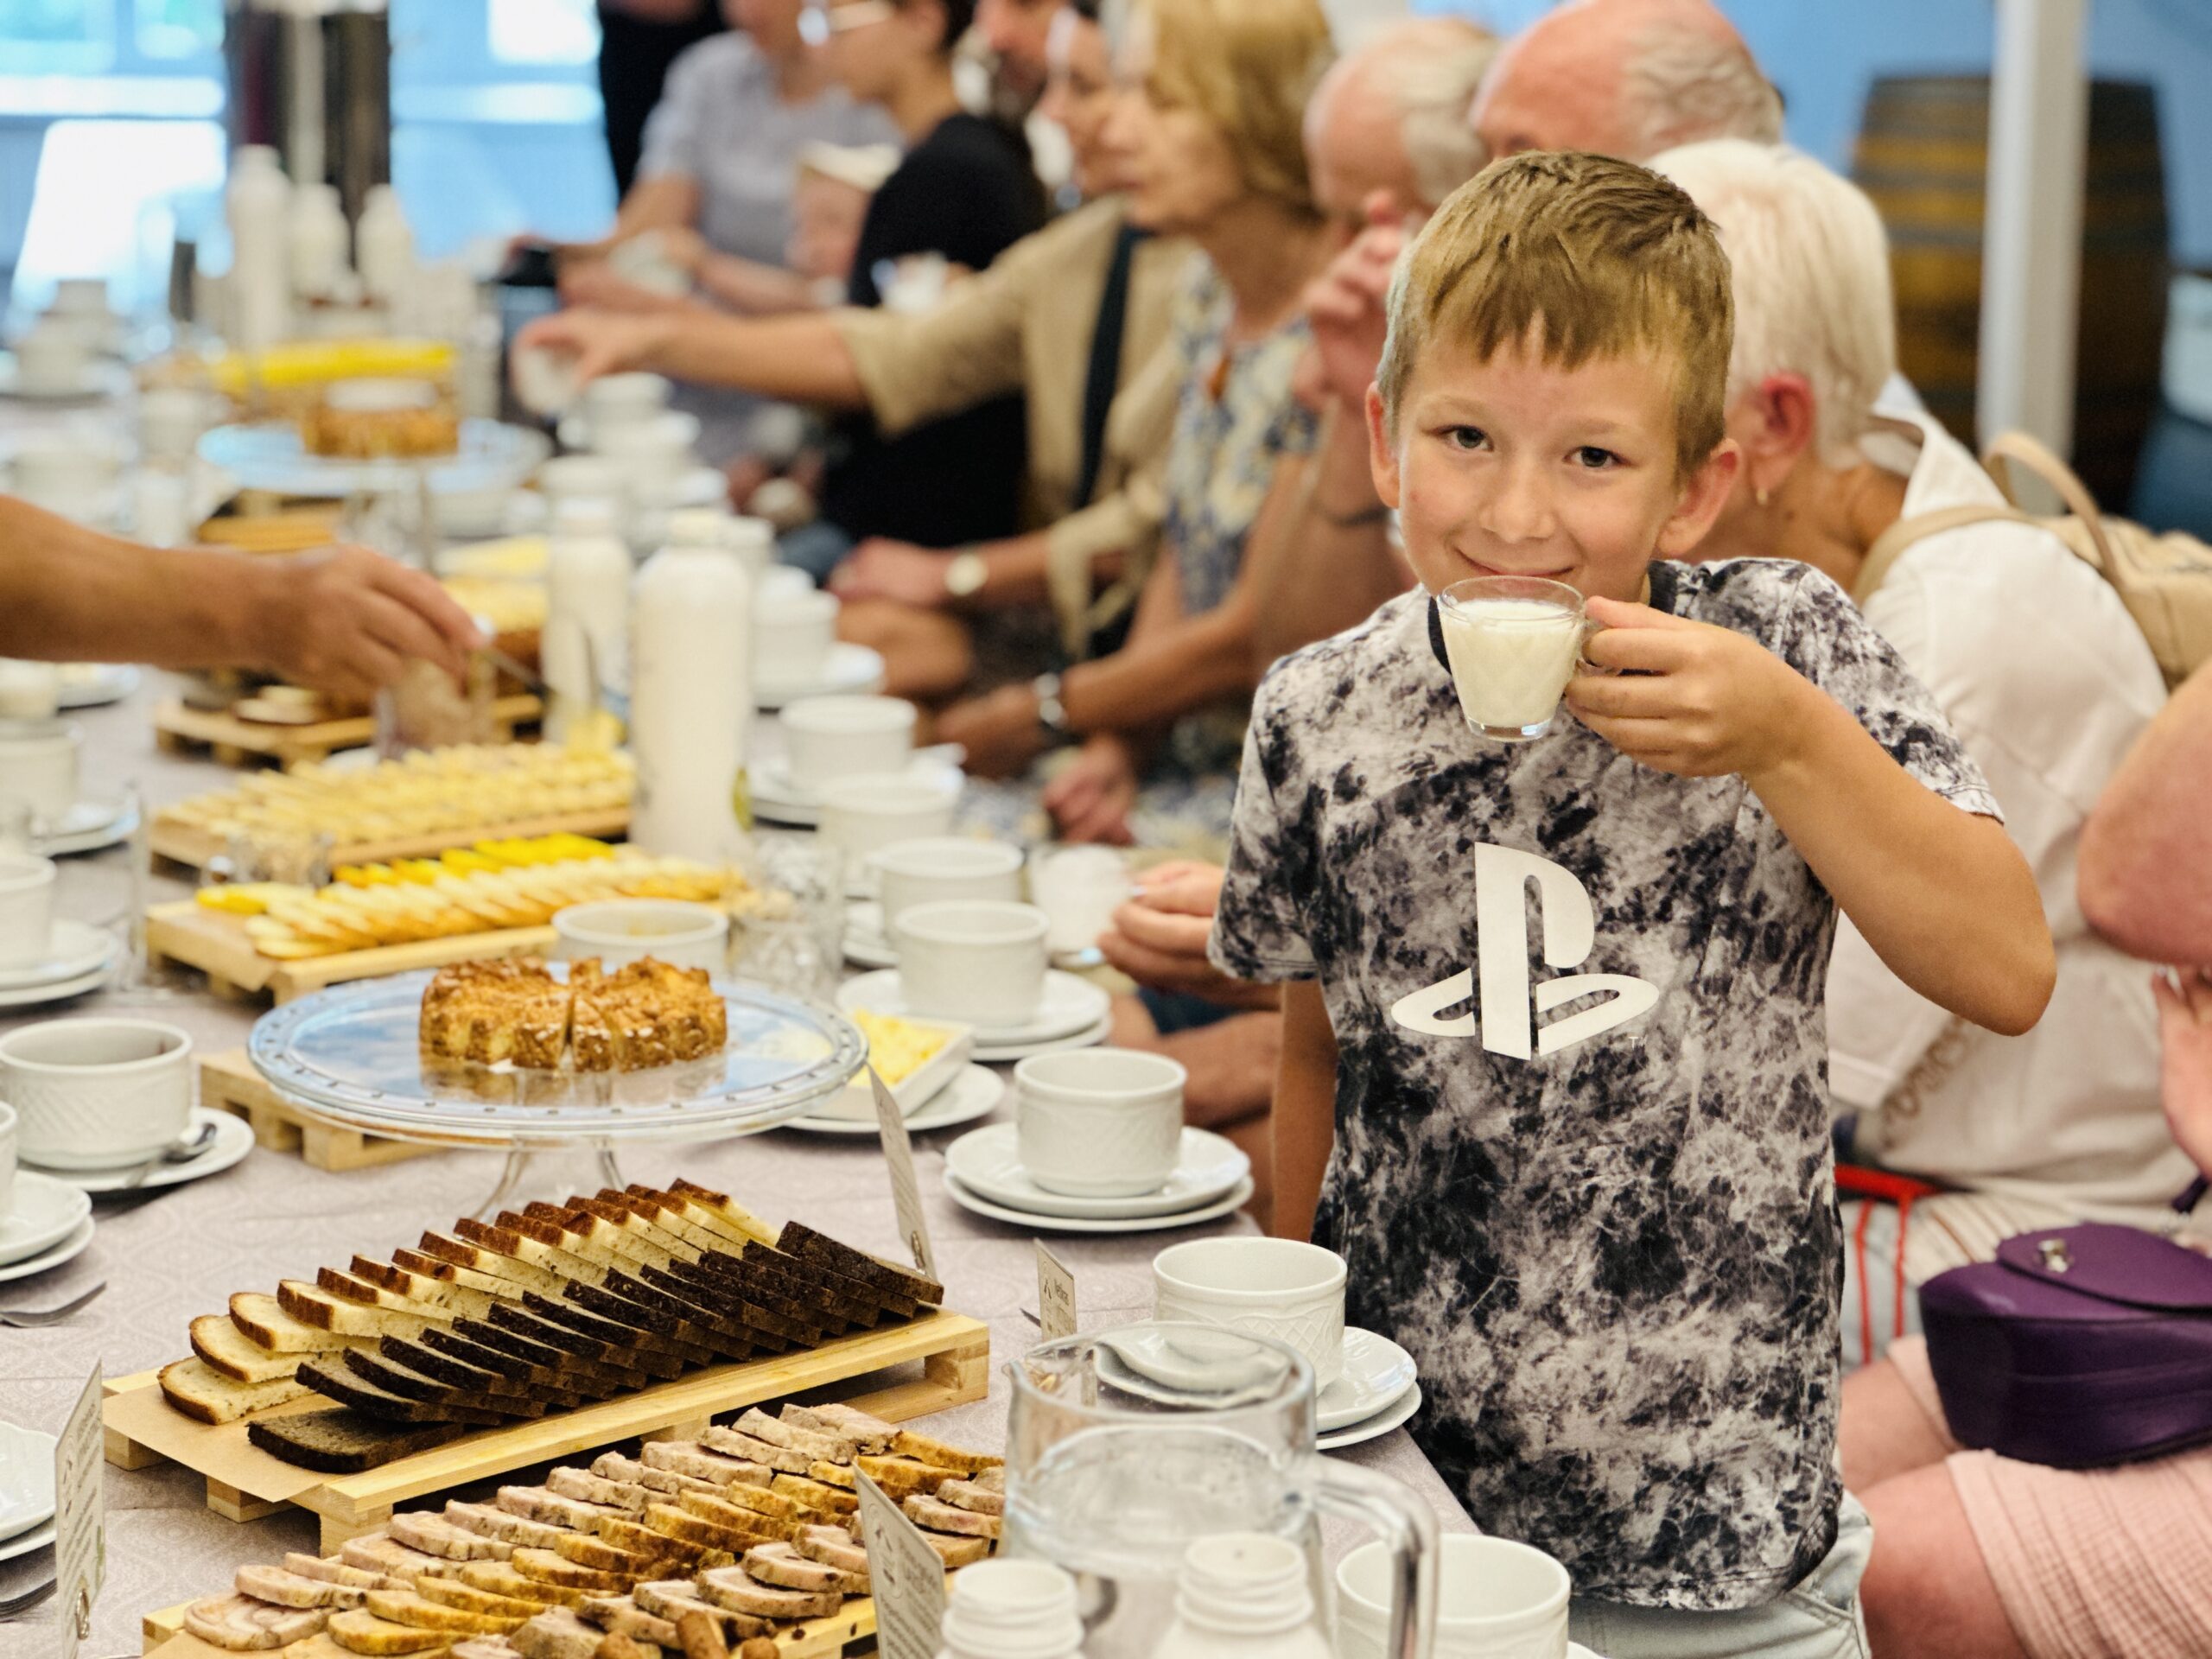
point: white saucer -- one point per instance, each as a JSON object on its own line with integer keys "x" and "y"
{"x": 1009, "y": 1054}
{"x": 93, "y": 685}
{"x": 974, "y": 1092}
{"x": 26, "y": 1482}
{"x": 97, "y": 380}
{"x": 1377, "y": 1372}
{"x": 60, "y": 990}
{"x": 24, "y": 1543}
{"x": 987, "y": 1162}
{"x": 90, "y": 826}
{"x": 46, "y": 1212}
{"x": 776, "y": 797}
{"x": 846, "y": 668}
{"x": 68, "y": 1251}
{"x": 1226, "y": 1204}
{"x": 73, "y": 950}
{"x": 1070, "y": 1005}
{"x": 1375, "y": 1427}
{"x": 865, "y": 944}
{"x": 234, "y": 1139}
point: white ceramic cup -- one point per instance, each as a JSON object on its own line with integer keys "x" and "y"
{"x": 38, "y": 766}
{"x": 8, "y": 1135}
{"x": 81, "y": 297}
{"x": 827, "y": 738}
{"x": 946, "y": 869}
{"x": 1278, "y": 1287}
{"x": 1494, "y": 1600}
{"x": 171, "y": 420}
{"x": 615, "y": 400}
{"x": 791, "y": 636}
{"x": 982, "y": 964}
{"x": 1080, "y": 888}
{"x": 52, "y": 355}
{"x": 29, "y": 691}
{"x": 623, "y": 931}
{"x": 25, "y": 909}
{"x": 95, "y": 1094}
{"x": 653, "y": 453}
{"x": 544, "y": 380}
{"x": 581, "y": 478}
{"x": 1099, "y": 1123}
{"x": 778, "y": 583}
{"x": 861, "y": 814}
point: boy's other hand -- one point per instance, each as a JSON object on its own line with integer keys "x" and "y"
{"x": 1091, "y": 797}
{"x": 1159, "y": 938}
{"x": 1346, "y": 305}
{"x": 1686, "y": 697}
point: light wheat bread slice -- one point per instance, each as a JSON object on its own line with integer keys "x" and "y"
{"x": 547, "y": 1568}
{"x": 487, "y": 1262}
{"x": 262, "y": 1320}
{"x": 368, "y": 1293}
{"x": 311, "y": 1305}
{"x": 734, "y": 1588}
{"x": 282, "y": 1588}
{"x": 603, "y": 1557}
{"x": 501, "y": 1578}
{"x": 406, "y": 1607}
{"x": 424, "y": 1289}
{"x": 923, "y": 1449}
{"x": 205, "y": 1394}
{"x": 720, "y": 1213}
{"x": 228, "y": 1350}
{"x": 452, "y": 1592}
{"x": 818, "y": 1496}
{"x": 901, "y": 1478}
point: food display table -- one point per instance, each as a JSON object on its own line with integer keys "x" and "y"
{"x": 180, "y": 1251}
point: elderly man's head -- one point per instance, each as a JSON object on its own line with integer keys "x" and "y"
{"x": 1625, "y": 78}
{"x": 1392, "y": 117}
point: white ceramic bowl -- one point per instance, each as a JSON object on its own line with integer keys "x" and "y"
{"x": 792, "y": 635}
{"x": 623, "y": 931}
{"x": 859, "y": 815}
{"x": 944, "y": 869}
{"x": 1098, "y": 1123}
{"x": 94, "y": 1094}
{"x": 1277, "y": 1287}
{"x": 827, "y": 738}
{"x": 1494, "y": 1600}
{"x": 25, "y": 908}
{"x": 981, "y": 963}
{"x": 9, "y": 1129}
{"x": 614, "y": 399}
{"x": 572, "y": 478}
{"x": 38, "y": 766}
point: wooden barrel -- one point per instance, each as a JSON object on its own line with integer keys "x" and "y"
{"x": 1923, "y": 156}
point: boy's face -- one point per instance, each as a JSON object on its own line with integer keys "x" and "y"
{"x": 1522, "y": 467}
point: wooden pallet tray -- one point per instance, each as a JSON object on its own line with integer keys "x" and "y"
{"x": 245, "y": 1483}
{"x": 216, "y": 943}
{"x": 237, "y": 742}
{"x": 189, "y": 843}
{"x": 228, "y": 1083}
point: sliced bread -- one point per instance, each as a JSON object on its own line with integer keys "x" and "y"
{"x": 344, "y": 1442}
{"x": 228, "y": 1350}
{"x": 263, "y": 1321}
{"x": 202, "y": 1393}
{"x": 312, "y": 1305}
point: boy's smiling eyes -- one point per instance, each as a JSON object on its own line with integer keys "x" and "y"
{"x": 1590, "y": 457}
{"x": 1596, "y": 458}
{"x": 1465, "y": 437}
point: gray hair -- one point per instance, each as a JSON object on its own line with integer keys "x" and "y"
{"x": 1683, "y": 85}
{"x": 1433, "y": 93}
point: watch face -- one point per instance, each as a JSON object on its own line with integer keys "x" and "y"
{"x": 964, "y": 575}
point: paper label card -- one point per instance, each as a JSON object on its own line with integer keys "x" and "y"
{"x": 80, "y": 1511}
{"x": 905, "y": 1192}
{"x": 1055, "y": 1296}
{"x": 906, "y": 1575}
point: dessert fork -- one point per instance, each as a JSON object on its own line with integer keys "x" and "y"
{"x": 31, "y": 1318}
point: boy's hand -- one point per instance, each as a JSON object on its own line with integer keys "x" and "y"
{"x": 1690, "y": 698}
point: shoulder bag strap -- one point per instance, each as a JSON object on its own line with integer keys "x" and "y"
{"x": 1891, "y": 545}
{"x": 2032, "y": 453}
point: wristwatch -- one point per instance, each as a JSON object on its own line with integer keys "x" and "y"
{"x": 1052, "y": 714}
{"x": 965, "y": 574}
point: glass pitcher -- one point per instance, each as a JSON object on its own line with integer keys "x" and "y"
{"x": 1124, "y": 1446}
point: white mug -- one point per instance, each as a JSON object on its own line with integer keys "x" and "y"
{"x": 38, "y": 766}
{"x": 615, "y": 400}
{"x": 1080, "y": 888}
{"x": 861, "y": 814}
{"x": 75, "y": 480}
{"x": 939, "y": 869}
{"x": 1099, "y": 1123}
{"x": 29, "y": 691}
{"x": 97, "y": 1094}
{"x": 7, "y": 1134}
{"x": 1494, "y": 1600}
{"x": 544, "y": 380}
{"x": 619, "y": 931}
{"x": 792, "y": 635}
{"x": 171, "y": 420}
{"x": 983, "y": 964}
{"x": 827, "y": 738}
{"x": 52, "y": 355}
{"x": 653, "y": 453}
{"x": 25, "y": 909}
{"x": 1278, "y": 1287}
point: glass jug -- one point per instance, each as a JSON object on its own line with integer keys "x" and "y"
{"x": 1124, "y": 1446}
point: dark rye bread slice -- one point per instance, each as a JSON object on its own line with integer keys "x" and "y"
{"x": 521, "y": 1336}
{"x": 342, "y": 1442}
{"x": 810, "y": 1283}
{"x": 800, "y": 1323}
{"x": 661, "y": 1355}
{"x": 800, "y": 1240}
{"x": 543, "y": 1333}
{"x": 394, "y": 1366}
{"x": 456, "y": 1371}
{"x": 658, "y": 1315}
{"x": 729, "y": 1338}
{"x": 349, "y": 1388}
{"x": 771, "y": 1330}
{"x": 395, "y": 1376}
{"x": 516, "y": 1239}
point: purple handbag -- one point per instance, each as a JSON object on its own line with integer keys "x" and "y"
{"x": 2079, "y": 1346}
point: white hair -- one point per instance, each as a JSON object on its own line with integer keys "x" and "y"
{"x": 1809, "y": 267}
{"x": 1682, "y": 85}
{"x": 1433, "y": 91}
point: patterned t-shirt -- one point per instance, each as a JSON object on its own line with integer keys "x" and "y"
{"x": 1596, "y": 1200}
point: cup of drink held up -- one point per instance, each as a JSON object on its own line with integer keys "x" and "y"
{"x": 1513, "y": 643}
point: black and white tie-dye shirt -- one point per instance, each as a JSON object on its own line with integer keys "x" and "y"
{"x": 1582, "y": 1166}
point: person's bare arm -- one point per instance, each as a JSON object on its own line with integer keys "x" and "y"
{"x": 1332, "y": 563}
{"x": 345, "y": 621}
{"x": 667, "y": 200}
{"x": 752, "y": 288}
{"x": 2145, "y": 878}
{"x": 801, "y": 358}
{"x": 1304, "y": 1123}
{"x": 1015, "y": 572}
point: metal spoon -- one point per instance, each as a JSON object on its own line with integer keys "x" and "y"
{"x": 182, "y": 1152}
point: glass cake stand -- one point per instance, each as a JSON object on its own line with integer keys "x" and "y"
{"x": 269, "y": 456}
{"x": 351, "y": 1054}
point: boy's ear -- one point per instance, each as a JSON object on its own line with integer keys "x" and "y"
{"x": 1703, "y": 494}
{"x": 1381, "y": 454}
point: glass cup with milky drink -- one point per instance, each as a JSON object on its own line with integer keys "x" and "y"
{"x": 1513, "y": 643}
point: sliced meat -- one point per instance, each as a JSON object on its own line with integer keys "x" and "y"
{"x": 621, "y": 1616}
{"x": 782, "y": 1566}
{"x": 558, "y": 1633}
{"x": 796, "y": 1437}
{"x": 538, "y": 1503}
{"x": 739, "y": 1591}
{"x": 834, "y": 1547}
{"x": 746, "y": 1448}
{"x": 285, "y": 1589}
{"x": 503, "y": 1524}
{"x": 991, "y": 1480}
{"x": 970, "y": 1495}
{"x": 241, "y": 1625}
{"x": 588, "y": 1488}
{"x": 872, "y": 1434}
{"x": 484, "y": 1647}
{"x": 689, "y": 1458}
{"x": 933, "y": 1516}
{"x": 435, "y": 1535}
{"x": 671, "y": 1598}
{"x": 377, "y": 1552}
{"x": 331, "y": 1570}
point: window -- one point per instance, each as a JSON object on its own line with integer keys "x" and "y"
{"x": 542, "y": 31}
{"x": 179, "y": 28}
{"x": 56, "y": 37}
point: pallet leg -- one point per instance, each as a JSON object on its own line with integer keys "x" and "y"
{"x": 126, "y": 1454}
{"x": 964, "y": 1372}
{"x": 227, "y": 990}
{"x": 234, "y": 1505}
{"x": 337, "y": 1533}
{"x": 270, "y": 1130}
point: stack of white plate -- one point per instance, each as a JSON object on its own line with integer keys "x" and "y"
{"x": 1074, "y": 1014}
{"x": 50, "y": 1222}
{"x": 779, "y": 798}
{"x": 26, "y": 1490}
{"x": 983, "y": 1174}
{"x": 1374, "y": 1394}
{"x": 79, "y": 957}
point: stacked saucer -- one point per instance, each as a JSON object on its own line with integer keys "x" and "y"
{"x": 26, "y": 1501}
{"x": 983, "y": 1173}
{"x": 1072, "y": 1013}
{"x": 1374, "y": 1394}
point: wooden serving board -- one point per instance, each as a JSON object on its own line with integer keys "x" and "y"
{"x": 237, "y": 742}
{"x": 245, "y": 1483}
{"x": 228, "y": 1083}
{"x": 216, "y": 943}
{"x": 189, "y": 843}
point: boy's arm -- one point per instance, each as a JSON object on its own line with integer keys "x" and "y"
{"x": 1304, "y": 1124}
{"x": 1942, "y": 894}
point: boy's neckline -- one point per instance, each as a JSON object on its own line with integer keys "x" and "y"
{"x": 1662, "y": 583}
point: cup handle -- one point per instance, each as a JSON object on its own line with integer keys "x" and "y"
{"x": 1590, "y": 629}
{"x": 1408, "y": 1527}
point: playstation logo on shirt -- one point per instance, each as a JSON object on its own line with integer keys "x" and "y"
{"x": 1509, "y": 1002}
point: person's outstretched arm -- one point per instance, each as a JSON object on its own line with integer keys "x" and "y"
{"x": 343, "y": 620}
{"x": 2145, "y": 878}
{"x": 801, "y": 358}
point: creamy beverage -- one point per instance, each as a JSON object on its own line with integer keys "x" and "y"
{"x": 1512, "y": 642}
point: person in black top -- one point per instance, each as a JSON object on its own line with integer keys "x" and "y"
{"x": 637, "y": 40}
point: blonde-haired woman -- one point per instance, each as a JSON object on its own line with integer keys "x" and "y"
{"x": 1206, "y": 130}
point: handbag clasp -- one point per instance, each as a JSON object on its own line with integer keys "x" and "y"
{"x": 2055, "y": 1254}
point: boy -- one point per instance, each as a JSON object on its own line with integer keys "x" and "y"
{"x": 1608, "y": 1237}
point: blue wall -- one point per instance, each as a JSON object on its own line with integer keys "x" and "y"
{"x": 1823, "y": 53}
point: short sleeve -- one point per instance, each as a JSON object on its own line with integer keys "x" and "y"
{"x": 1833, "y": 645}
{"x": 676, "y": 130}
{"x": 1260, "y": 932}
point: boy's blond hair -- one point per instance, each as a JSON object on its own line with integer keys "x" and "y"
{"x": 1582, "y": 256}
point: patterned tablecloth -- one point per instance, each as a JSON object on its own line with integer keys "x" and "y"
{"x": 271, "y": 1217}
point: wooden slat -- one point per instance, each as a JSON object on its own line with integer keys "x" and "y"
{"x": 237, "y": 741}
{"x": 229, "y": 1083}
{"x": 217, "y": 944}
{"x": 189, "y": 843}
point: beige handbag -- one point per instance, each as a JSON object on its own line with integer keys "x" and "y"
{"x": 2164, "y": 581}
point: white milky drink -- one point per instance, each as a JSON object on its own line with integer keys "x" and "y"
{"x": 1512, "y": 642}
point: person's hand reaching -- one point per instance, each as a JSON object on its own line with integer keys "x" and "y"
{"x": 596, "y": 284}
{"x": 602, "y": 342}
{"x": 882, "y": 569}
{"x": 2184, "y": 997}
{"x": 1090, "y": 799}
{"x": 1159, "y": 938}
{"x": 347, "y": 621}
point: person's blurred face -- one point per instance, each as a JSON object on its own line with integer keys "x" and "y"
{"x": 772, "y": 24}
{"x": 1079, "y": 96}
{"x": 1354, "y": 146}
{"x": 871, "y": 42}
{"x": 1178, "y": 167}
{"x": 1017, "y": 32}
{"x": 826, "y": 217}
{"x": 1559, "y": 86}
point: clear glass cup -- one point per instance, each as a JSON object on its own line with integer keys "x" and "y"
{"x": 789, "y": 931}
{"x": 1513, "y": 643}
{"x": 1125, "y": 1447}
